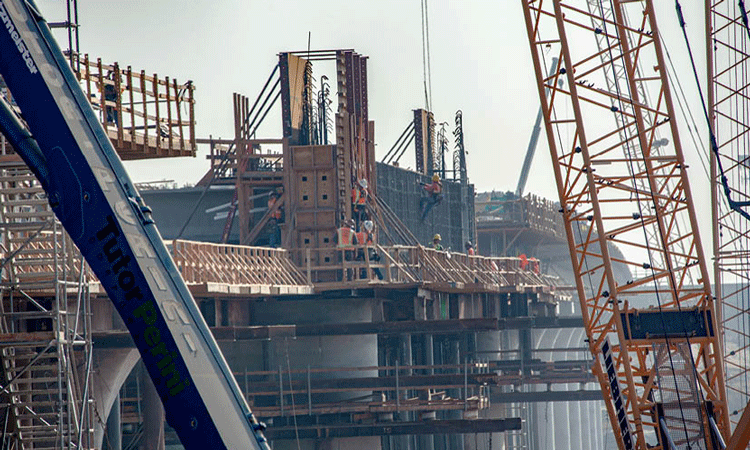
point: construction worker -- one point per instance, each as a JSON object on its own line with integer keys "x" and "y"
{"x": 345, "y": 235}
{"x": 110, "y": 95}
{"x": 434, "y": 196}
{"x": 366, "y": 237}
{"x": 436, "y": 242}
{"x": 359, "y": 200}
{"x": 524, "y": 261}
{"x": 534, "y": 265}
{"x": 274, "y": 239}
{"x": 470, "y": 249}
{"x": 346, "y": 238}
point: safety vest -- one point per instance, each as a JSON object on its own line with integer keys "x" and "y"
{"x": 534, "y": 264}
{"x": 435, "y": 188}
{"x": 364, "y": 238}
{"x": 359, "y": 196}
{"x": 345, "y": 237}
{"x": 276, "y": 214}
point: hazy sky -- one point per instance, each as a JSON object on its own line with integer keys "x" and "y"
{"x": 480, "y": 62}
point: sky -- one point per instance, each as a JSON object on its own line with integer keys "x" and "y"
{"x": 480, "y": 64}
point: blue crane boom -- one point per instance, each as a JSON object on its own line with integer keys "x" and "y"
{"x": 95, "y": 200}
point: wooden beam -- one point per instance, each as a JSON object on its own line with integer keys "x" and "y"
{"x": 263, "y": 221}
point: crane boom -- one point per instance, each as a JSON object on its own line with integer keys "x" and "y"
{"x": 728, "y": 102}
{"x": 654, "y": 336}
{"x": 96, "y": 202}
{"x": 533, "y": 141}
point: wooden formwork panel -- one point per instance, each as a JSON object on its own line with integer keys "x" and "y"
{"x": 327, "y": 257}
{"x": 307, "y": 239}
{"x": 306, "y": 189}
{"x": 326, "y": 188}
{"x": 315, "y": 188}
{"x": 302, "y": 157}
{"x": 326, "y": 239}
{"x": 312, "y": 156}
{"x": 316, "y": 219}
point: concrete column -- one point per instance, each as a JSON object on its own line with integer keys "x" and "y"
{"x": 114, "y": 426}
{"x": 427, "y": 442}
{"x": 586, "y": 427}
{"x": 153, "y": 415}
{"x": 405, "y": 359}
{"x": 456, "y": 440}
{"x": 111, "y": 368}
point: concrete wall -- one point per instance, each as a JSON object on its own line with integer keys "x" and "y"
{"x": 453, "y": 219}
{"x": 173, "y": 206}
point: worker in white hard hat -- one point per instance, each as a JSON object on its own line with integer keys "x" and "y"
{"x": 366, "y": 237}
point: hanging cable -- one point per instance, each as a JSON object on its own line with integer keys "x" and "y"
{"x": 232, "y": 150}
{"x": 423, "y": 5}
{"x": 673, "y": 283}
{"x": 733, "y": 205}
{"x": 429, "y": 67}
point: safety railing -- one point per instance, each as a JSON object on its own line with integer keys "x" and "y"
{"x": 413, "y": 264}
{"x": 203, "y": 262}
{"x": 198, "y": 262}
{"x": 531, "y": 211}
{"x": 377, "y": 389}
{"x": 145, "y": 116}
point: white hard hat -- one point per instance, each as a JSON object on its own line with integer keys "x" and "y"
{"x": 363, "y": 183}
{"x": 369, "y": 225}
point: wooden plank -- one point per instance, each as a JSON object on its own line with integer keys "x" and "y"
{"x": 132, "y": 108}
{"x": 145, "y": 111}
{"x": 118, "y": 107}
{"x": 158, "y": 118}
{"x": 179, "y": 114}
{"x": 170, "y": 138}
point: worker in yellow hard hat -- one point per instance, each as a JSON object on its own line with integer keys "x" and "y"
{"x": 434, "y": 196}
{"x": 436, "y": 242}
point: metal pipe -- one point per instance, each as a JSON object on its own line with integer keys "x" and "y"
{"x": 665, "y": 432}
{"x": 717, "y": 433}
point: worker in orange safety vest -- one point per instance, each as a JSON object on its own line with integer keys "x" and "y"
{"x": 359, "y": 200}
{"x": 345, "y": 235}
{"x": 434, "y": 196}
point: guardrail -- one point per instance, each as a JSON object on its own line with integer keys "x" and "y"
{"x": 534, "y": 212}
{"x": 413, "y": 264}
{"x": 144, "y": 115}
{"x": 199, "y": 263}
{"x": 203, "y": 262}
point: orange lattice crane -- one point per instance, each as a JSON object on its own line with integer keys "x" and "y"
{"x": 728, "y": 99}
{"x": 621, "y": 177}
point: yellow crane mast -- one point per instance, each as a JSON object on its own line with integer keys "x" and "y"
{"x": 621, "y": 178}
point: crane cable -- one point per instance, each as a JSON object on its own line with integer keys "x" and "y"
{"x": 426, "y": 69}
{"x": 733, "y": 205}
{"x": 743, "y": 291}
{"x": 630, "y": 157}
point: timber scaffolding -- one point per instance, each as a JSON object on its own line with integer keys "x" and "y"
{"x": 143, "y": 115}
{"x": 423, "y": 292}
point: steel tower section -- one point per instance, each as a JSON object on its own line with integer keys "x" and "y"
{"x": 653, "y": 361}
{"x": 729, "y": 110}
